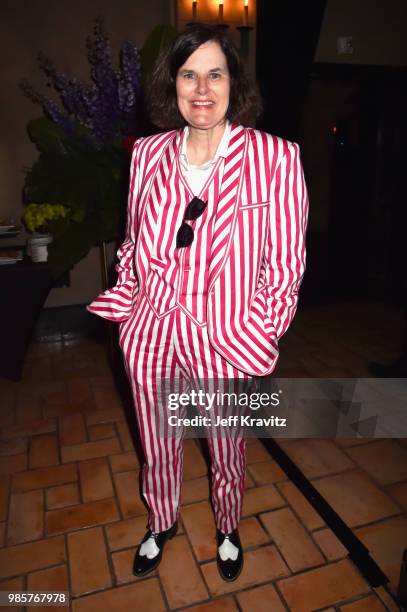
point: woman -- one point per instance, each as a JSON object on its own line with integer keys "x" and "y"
{"x": 216, "y": 222}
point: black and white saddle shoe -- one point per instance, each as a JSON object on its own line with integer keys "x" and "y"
{"x": 229, "y": 565}
{"x": 153, "y": 543}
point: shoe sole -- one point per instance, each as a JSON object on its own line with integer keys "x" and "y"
{"x": 151, "y": 569}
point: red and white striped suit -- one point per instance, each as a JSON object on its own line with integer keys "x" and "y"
{"x": 215, "y": 309}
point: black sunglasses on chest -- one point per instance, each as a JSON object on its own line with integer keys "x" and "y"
{"x": 185, "y": 234}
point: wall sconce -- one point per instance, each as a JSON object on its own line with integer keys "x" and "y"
{"x": 209, "y": 11}
{"x": 244, "y": 32}
{"x": 194, "y": 12}
{"x": 220, "y": 11}
{"x": 221, "y": 24}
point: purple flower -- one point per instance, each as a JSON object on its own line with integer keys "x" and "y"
{"x": 51, "y": 109}
{"x": 107, "y": 108}
{"x": 129, "y": 82}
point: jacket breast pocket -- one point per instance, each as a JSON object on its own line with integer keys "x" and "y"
{"x": 251, "y": 228}
{"x": 253, "y": 205}
{"x": 252, "y": 219}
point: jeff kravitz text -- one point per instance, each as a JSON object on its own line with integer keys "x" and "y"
{"x": 230, "y": 421}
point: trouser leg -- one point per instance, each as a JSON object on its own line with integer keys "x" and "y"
{"x": 227, "y": 448}
{"x": 147, "y": 348}
{"x": 228, "y": 469}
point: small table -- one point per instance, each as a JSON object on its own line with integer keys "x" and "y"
{"x": 24, "y": 287}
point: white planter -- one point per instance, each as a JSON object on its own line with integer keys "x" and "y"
{"x": 37, "y": 247}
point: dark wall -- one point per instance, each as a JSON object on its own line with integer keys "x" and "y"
{"x": 286, "y": 41}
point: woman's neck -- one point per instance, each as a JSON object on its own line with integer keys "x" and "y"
{"x": 202, "y": 144}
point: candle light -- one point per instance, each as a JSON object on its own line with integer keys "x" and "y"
{"x": 194, "y": 3}
{"x": 246, "y": 13}
{"x": 220, "y": 11}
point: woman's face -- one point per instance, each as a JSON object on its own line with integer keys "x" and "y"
{"x": 203, "y": 87}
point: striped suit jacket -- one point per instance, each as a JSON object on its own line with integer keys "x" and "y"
{"x": 257, "y": 258}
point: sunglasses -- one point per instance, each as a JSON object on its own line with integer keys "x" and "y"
{"x": 185, "y": 234}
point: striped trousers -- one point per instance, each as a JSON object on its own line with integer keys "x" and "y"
{"x": 172, "y": 352}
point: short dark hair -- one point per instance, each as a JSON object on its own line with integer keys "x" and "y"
{"x": 244, "y": 103}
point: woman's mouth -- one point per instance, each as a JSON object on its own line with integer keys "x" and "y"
{"x": 202, "y": 103}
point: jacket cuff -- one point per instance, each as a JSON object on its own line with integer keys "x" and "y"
{"x": 115, "y": 304}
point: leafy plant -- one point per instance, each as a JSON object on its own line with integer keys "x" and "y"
{"x": 83, "y": 143}
{"x": 41, "y": 217}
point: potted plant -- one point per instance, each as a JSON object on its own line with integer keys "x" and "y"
{"x": 84, "y": 144}
{"x": 40, "y": 221}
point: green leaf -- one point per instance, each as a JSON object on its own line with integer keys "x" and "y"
{"x": 45, "y": 134}
{"x": 158, "y": 40}
{"x": 78, "y": 215}
{"x": 70, "y": 247}
{"x": 85, "y": 180}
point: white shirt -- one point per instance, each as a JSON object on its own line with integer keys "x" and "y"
{"x": 197, "y": 175}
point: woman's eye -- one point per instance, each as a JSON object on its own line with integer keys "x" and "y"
{"x": 214, "y": 76}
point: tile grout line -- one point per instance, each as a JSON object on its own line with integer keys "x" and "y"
{"x": 357, "y": 548}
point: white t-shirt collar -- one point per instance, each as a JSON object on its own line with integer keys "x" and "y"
{"x": 220, "y": 152}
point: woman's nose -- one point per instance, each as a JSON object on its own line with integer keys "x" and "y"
{"x": 202, "y": 85}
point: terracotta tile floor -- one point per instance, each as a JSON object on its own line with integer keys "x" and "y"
{"x": 71, "y": 515}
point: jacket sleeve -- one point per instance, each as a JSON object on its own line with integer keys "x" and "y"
{"x": 285, "y": 247}
{"x": 115, "y": 304}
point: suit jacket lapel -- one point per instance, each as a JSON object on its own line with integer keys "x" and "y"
{"x": 149, "y": 203}
{"x": 228, "y": 202}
